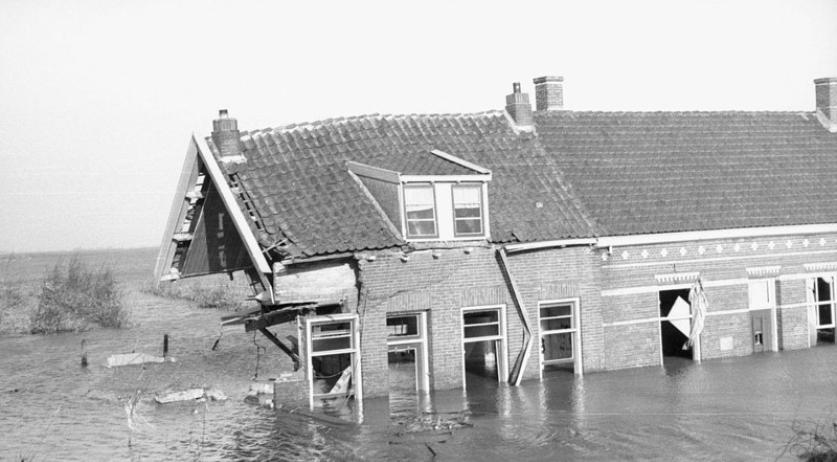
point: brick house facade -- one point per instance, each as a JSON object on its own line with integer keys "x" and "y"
{"x": 509, "y": 243}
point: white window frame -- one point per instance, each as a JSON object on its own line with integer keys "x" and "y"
{"x": 771, "y": 305}
{"x": 832, "y": 277}
{"x": 354, "y": 351}
{"x": 415, "y": 342}
{"x": 501, "y": 349}
{"x": 479, "y": 188}
{"x": 575, "y": 331}
{"x": 407, "y": 220}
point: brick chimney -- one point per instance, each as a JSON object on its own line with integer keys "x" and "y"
{"x": 549, "y": 93}
{"x": 826, "y": 90}
{"x": 518, "y": 107}
{"x": 225, "y": 134}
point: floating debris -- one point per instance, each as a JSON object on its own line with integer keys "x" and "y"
{"x": 192, "y": 394}
{"x": 132, "y": 359}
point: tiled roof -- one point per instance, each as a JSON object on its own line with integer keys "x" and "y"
{"x": 299, "y": 185}
{"x": 421, "y": 162}
{"x": 659, "y": 172}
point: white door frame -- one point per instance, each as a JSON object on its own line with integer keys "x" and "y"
{"x": 502, "y": 351}
{"x": 577, "y": 359}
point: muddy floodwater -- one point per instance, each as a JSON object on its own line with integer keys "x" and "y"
{"x": 52, "y": 409}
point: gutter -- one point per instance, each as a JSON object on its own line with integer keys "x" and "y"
{"x": 516, "y": 373}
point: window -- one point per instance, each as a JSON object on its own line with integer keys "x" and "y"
{"x": 467, "y": 210}
{"x": 762, "y": 294}
{"x": 558, "y": 332}
{"x": 482, "y": 323}
{"x": 420, "y": 205}
{"x": 333, "y": 357}
{"x": 403, "y": 326}
{"x": 824, "y": 301}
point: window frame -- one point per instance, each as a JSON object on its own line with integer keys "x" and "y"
{"x": 473, "y": 185}
{"x": 575, "y": 331}
{"x": 407, "y": 219}
{"x": 831, "y": 303}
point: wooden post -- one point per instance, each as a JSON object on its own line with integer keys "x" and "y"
{"x": 165, "y": 345}
{"x": 83, "y": 353}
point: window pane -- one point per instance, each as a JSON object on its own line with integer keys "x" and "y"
{"x": 467, "y": 195}
{"x": 482, "y": 331}
{"x": 421, "y": 228}
{"x": 481, "y": 317}
{"x": 759, "y": 294}
{"x": 418, "y": 195}
{"x": 402, "y": 326}
{"x": 823, "y": 289}
{"x": 467, "y": 211}
{"x": 469, "y": 226}
{"x": 334, "y": 343}
{"x": 825, "y": 315}
{"x": 550, "y": 311}
{"x": 418, "y": 212}
{"x": 557, "y": 346}
{"x": 557, "y": 324}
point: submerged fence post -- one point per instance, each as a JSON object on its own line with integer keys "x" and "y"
{"x": 83, "y": 353}
{"x": 165, "y": 345}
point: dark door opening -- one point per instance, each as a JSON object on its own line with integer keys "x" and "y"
{"x": 481, "y": 362}
{"x": 402, "y": 369}
{"x": 675, "y": 324}
{"x": 762, "y": 321}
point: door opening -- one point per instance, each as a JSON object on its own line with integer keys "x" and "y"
{"x": 407, "y": 352}
{"x": 559, "y": 340}
{"x": 824, "y": 309}
{"x": 483, "y": 342}
{"x": 675, "y": 323}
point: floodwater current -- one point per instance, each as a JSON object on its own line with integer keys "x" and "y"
{"x": 53, "y": 409}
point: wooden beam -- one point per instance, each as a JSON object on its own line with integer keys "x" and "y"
{"x": 281, "y": 346}
{"x": 177, "y": 212}
{"x": 240, "y": 222}
{"x": 523, "y": 357}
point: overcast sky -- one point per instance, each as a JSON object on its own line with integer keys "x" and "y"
{"x": 98, "y": 98}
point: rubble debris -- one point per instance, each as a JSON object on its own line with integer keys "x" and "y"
{"x": 192, "y": 394}
{"x": 132, "y": 359}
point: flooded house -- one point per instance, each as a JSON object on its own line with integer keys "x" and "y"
{"x": 430, "y": 251}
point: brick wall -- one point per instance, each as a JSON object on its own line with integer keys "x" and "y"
{"x": 630, "y": 286}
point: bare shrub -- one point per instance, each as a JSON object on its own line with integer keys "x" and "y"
{"x": 76, "y": 297}
{"x": 223, "y": 296}
{"x": 813, "y": 441}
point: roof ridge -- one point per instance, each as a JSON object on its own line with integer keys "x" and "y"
{"x": 650, "y": 112}
{"x": 316, "y": 124}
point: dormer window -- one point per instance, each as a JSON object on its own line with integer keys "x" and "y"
{"x": 430, "y": 196}
{"x": 467, "y": 209}
{"x": 420, "y": 208}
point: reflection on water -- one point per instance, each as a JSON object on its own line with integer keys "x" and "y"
{"x": 736, "y": 409}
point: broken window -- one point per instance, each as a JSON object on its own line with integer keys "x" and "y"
{"x": 420, "y": 206}
{"x": 403, "y": 326}
{"x": 467, "y": 210}
{"x": 484, "y": 344}
{"x": 824, "y": 301}
{"x": 334, "y": 361}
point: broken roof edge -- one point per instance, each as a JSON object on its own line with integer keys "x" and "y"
{"x": 461, "y": 162}
{"x": 217, "y": 176}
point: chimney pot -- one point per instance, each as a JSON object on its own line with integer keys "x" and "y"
{"x": 518, "y": 107}
{"x": 549, "y": 93}
{"x": 225, "y": 135}
{"x": 826, "y": 94}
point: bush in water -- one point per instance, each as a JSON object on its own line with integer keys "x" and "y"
{"x": 75, "y": 297}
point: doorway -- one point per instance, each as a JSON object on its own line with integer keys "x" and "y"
{"x": 407, "y": 356}
{"x": 484, "y": 346}
{"x": 560, "y": 349}
{"x": 675, "y": 323}
{"x": 824, "y": 308}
